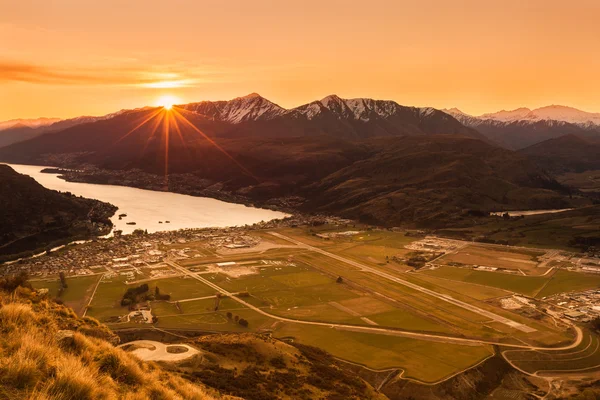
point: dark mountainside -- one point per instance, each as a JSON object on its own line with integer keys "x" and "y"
{"x": 34, "y": 218}
{"x": 360, "y": 158}
{"x": 434, "y": 182}
{"x": 569, "y": 153}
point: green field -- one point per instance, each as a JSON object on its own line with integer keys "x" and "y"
{"x": 76, "y": 295}
{"x": 566, "y": 281}
{"x": 535, "y": 286}
{"x": 421, "y": 360}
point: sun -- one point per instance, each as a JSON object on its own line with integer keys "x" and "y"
{"x": 167, "y": 101}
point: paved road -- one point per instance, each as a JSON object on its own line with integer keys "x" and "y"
{"x": 444, "y": 297}
{"x": 371, "y": 329}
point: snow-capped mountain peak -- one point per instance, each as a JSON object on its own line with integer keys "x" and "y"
{"x": 247, "y": 108}
{"x": 511, "y": 115}
{"x": 564, "y": 113}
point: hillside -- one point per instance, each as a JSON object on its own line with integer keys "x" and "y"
{"x": 433, "y": 182}
{"x": 428, "y": 180}
{"x": 46, "y": 352}
{"x": 569, "y": 153}
{"x": 33, "y": 217}
{"x": 257, "y": 367}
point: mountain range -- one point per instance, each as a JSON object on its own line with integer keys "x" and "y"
{"x": 523, "y": 127}
{"x": 253, "y": 115}
{"x": 18, "y": 130}
{"x": 366, "y": 159}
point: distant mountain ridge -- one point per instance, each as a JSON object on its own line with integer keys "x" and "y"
{"x": 522, "y": 127}
{"x": 554, "y": 113}
{"x": 19, "y": 130}
{"x": 359, "y": 118}
{"x": 31, "y": 122}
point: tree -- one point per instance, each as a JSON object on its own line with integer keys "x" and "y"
{"x": 229, "y": 315}
{"x": 339, "y": 279}
{"x": 63, "y": 282}
{"x": 236, "y": 318}
{"x": 243, "y": 322}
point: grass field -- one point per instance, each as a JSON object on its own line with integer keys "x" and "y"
{"x": 424, "y": 361}
{"x": 566, "y": 281}
{"x": 535, "y": 286}
{"x": 524, "y": 260}
{"x": 76, "y": 295}
{"x": 216, "y": 321}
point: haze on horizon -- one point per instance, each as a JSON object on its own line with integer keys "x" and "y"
{"x": 68, "y": 58}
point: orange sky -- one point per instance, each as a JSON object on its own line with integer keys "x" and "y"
{"x": 65, "y": 58}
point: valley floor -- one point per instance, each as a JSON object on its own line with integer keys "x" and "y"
{"x": 350, "y": 290}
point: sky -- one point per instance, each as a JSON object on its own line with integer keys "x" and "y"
{"x": 65, "y": 58}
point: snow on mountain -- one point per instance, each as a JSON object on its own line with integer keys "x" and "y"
{"x": 507, "y": 116}
{"x": 522, "y": 127}
{"x": 563, "y": 113}
{"x": 548, "y": 113}
{"x": 247, "y": 108}
{"x": 254, "y": 108}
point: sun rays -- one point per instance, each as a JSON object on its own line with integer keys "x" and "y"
{"x": 169, "y": 119}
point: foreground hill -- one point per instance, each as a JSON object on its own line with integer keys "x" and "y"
{"x": 46, "y": 352}
{"x": 33, "y": 217}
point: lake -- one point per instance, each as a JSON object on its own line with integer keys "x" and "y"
{"x": 146, "y": 207}
{"x": 529, "y": 212}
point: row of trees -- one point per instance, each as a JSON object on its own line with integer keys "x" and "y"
{"x": 237, "y": 320}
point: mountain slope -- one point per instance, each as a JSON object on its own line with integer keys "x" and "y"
{"x": 33, "y": 217}
{"x": 426, "y": 180}
{"x": 433, "y": 182}
{"x": 567, "y": 153}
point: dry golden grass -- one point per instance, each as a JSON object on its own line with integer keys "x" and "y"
{"x": 85, "y": 366}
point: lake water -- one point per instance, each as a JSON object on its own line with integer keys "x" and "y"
{"x": 529, "y": 212}
{"x": 146, "y": 207}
